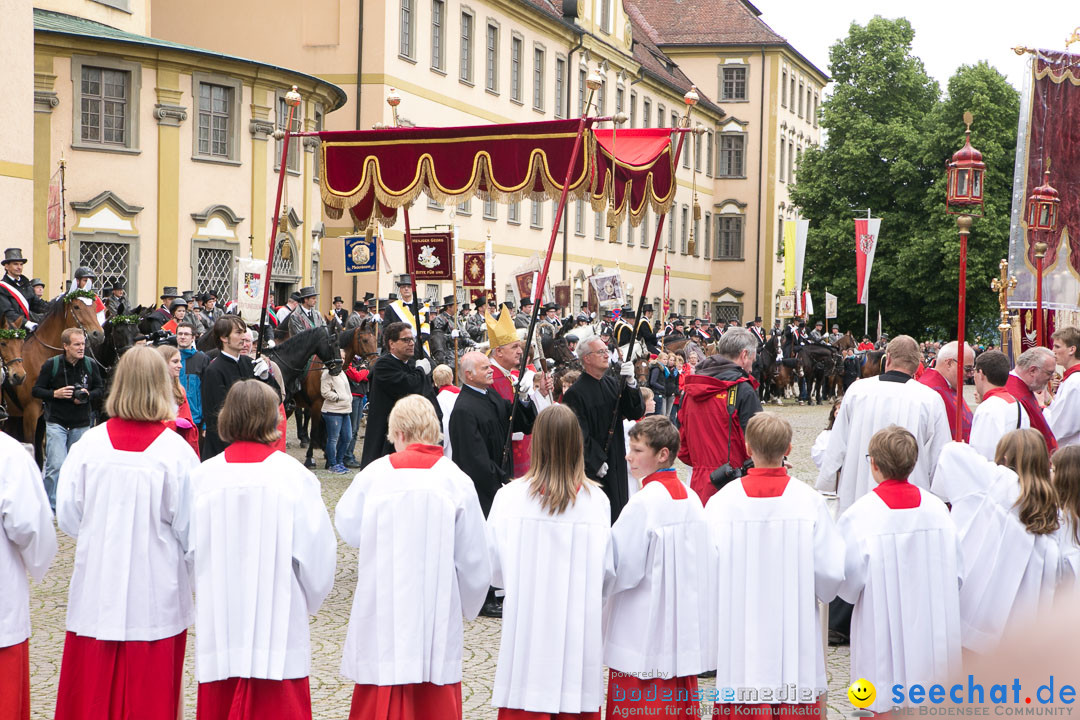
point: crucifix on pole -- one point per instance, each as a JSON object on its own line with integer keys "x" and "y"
{"x": 1002, "y": 285}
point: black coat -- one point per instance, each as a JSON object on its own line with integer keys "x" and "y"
{"x": 9, "y": 307}
{"x": 594, "y": 402}
{"x": 478, "y": 429}
{"x": 390, "y": 380}
{"x": 218, "y": 377}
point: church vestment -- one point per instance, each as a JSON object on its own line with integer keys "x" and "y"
{"x": 903, "y": 572}
{"x": 937, "y": 382}
{"x": 997, "y": 414}
{"x": 413, "y": 588}
{"x": 556, "y": 570}
{"x": 1020, "y": 390}
{"x": 391, "y": 380}
{"x": 1063, "y": 414}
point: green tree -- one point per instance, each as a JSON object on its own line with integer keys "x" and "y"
{"x": 888, "y": 137}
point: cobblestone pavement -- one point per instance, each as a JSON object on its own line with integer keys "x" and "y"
{"x": 330, "y": 692}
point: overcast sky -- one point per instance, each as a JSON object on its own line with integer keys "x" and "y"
{"x": 948, "y": 33}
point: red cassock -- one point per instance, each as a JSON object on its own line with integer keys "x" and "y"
{"x": 521, "y": 449}
{"x": 243, "y": 698}
{"x": 417, "y": 701}
{"x": 15, "y": 682}
{"x": 934, "y": 380}
{"x": 1019, "y": 390}
{"x": 675, "y": 697}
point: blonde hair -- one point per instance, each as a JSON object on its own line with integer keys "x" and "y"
{"x": 903, "y": 352}
{"x": 249, "y": 414}
{"x": 442, "y": 375}
{"x": 1066, "y": 462}
{"x": 647, "y": 394}
{"x": 140, "y": 387}
{"x": 168, "y": 352}
{"x": 415, "y": 418}
{"x": 895, "y": 452}
{"x": 1024, "y": 452}
{"x": 557, "y": 460}
{"x": 768, "y": 435}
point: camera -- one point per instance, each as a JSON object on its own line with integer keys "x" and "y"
{"x": 80, "y": 393}
{"x": 161, "y": 337}
{"x": 724, "y": 474}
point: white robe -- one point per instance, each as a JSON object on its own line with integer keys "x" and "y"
{"x": 903, "y": 573}
{"x": 556, "y": 570}
{"x": 1063, "y": 414}
{"x": 868, "y": 406}
{"x": 27, "y": 538}
{"x": 1010, "y": 575}
{"x": 660, "y": 618}
{"x": 994, "y": 417}
{"x": 129, "y": 513}
{"x": 446, "y": 400}
{"x": 422, "y": 564}
{"x": 777, "y": 557}
{"x": 821, "y": 444}
{"x": 264, "y": 554}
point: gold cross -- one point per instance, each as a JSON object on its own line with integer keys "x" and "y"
{"x": 1002, "y": 286}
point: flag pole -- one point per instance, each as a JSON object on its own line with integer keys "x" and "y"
{"x": 691, "y": 99}
{"x": 292, "y": 100}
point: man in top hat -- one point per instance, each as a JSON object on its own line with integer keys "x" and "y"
{"x": 521, "y": 320}
{"x": 623, "y": 329}
{"x": 17, "y": 299}
{"x": 179, "y": 309}
{"x": 358, "y": 315}
{"x": 115, "y": 301}
{"x": 445, "y": 324}
{"x": 698, "y": 333}
{"x": 285, "y": 310}
{"x": 834, "y": 336}
{"x": 401, "y": 310}
{"x": 307, "y": 315}
{"x": 645, "y": 329}
{"x": 669, "y": 326}
{"x": 84, "y": 280}
{"x": 163, "y": 313}
{"x": 210, "y": 306}
{"x": 758, "y": 331}
{"x": 817, "y": 334}
{"x": 339, "y": 310}
{"x": 551, "y": 325}
{"x": 475, "y": 323}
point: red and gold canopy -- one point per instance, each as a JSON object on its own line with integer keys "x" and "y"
{"x": 372, "y": 173}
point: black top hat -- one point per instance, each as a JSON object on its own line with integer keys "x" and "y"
{"x": 169, "y": 292}
{"x": 481, "y": 301}
{"x": 177, "y": 303}
{"x": 449, "y": 300}
{"x": 84, "y": 272}
{"x": 392, "y": 297}
{"x": 527, "y": 302}
{"x": 337, "y": 299}
{"x": 551, "y": 306}
{"x": 679, "y": 321}
{"x": 306, "y": 292}
{"x": 757, "y": 318}
{"x": 647, "y": 307}
{"x": 188, "y": 295}
{"x": 118, "y": 283}
{"x": 295, "y": 296}
{"x": 12, "y": 255}
{"x": 404, "y": 279}
{"x": 383, "y": 304}
{"x": 212, "y": 293}
{"x": 464, "y": 306}
{"x": 37, "y": 282}
{"x": 359, "y": 305}
{"x": 369, "y": 295}
{"x": 627, "y": 311}
{"x": 373, "y": 303}
{"x": 508, "y": 304}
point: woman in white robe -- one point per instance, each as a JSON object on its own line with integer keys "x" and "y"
{"x": 421, "y": 566}
{"x": 1065, "y": 472}
{"x": 550, "y": 540}
{"x": 263, "y": 552}
{"x": 124, "y": 495}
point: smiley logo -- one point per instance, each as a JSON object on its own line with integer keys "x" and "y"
{"x": 862, "y": 693}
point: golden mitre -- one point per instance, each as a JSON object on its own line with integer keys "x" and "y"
{"x": 501, "y": 332}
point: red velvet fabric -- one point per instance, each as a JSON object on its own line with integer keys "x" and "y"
{"x": 511, "y": 714}
{"x": 248, "y": 452}
{"x": 418, "y": 701}
{"x": 15, "y": 682}
{"x": 765, "y": 482}
{"x": 899, "y": 494}
{"x": 417, "y": 455}
{"x": 1022, "y": 392}
{"x": 110, "y": 680}
{"x": 644, "y": 157}
{"x": 629, "y": 696}
{"x": 132, "y": 435}
{"x": 254, "y": 699}
{"x": 777, "y": 711}
{"x": 671, "y": 482}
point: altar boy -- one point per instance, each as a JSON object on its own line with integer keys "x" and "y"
{"x": 655, "y": 647}
{"x": 779, "y": 552}
{"x": 903, "y": 574}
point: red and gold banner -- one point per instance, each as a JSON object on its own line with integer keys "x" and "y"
{"x": 433, "y": 255}
{"x": 1028, "y": 335}
{"x": 474, "y": 264}
{"x": 643, "y": 171}
{"x": 562, "y": 294}
{"x": 372, "y": 173}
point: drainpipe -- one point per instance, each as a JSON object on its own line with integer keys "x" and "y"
{"x": 760, "y": 164}
{"x": 566, "y": 215}
{"x": 359, "y": 60}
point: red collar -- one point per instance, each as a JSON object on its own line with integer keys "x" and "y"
{"x": 1074, "y": 369}
{"x": 765, "y": 482}
{"x": 898, "y": 494}
{"x": 133, "y": 435}
{"x": 670, "y": 480}
{"x": 450, "y": 388}
{"x": 247, "y": 452}
{"x": 1002, "y": 393}
{"x": 417, "y": 456}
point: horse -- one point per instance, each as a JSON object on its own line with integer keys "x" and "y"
{"x": 362, "y": 341}
{"x": 846, "y": 342}
{"x": 12, "y": 369}
{"x": 873, "y": 363}
{"x": 120, "y": 334}
{"x": 302, "y": 374}
{"x": 818, "y": 362}
{"x": 60, "y": 314}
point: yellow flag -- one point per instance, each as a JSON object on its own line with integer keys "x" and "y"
{"x": 790, "y": 241}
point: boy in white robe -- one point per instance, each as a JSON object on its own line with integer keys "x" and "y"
{"x": 422, "y": 566}
{"x": 655, "y": 648}
{"x": 902, "y": 572}
{"x": 264, "y": 553}
{"x": 1063, "y": 414}
{"x": 998, "y": 412}
{"x": 779, "y": 552}
{"x": 27, "y": 545}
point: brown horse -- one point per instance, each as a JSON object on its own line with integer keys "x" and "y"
{"x": 873, "y": 363}
{"x": 362, "y": 341}
{"x": 61, "y": 314}
{"x": 11, "y": 361}
{"x": 846, "y": 342}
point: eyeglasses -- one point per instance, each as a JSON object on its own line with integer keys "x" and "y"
{"x": 407, "y": 340}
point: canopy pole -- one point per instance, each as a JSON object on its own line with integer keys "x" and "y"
{"x": 410, "y": 267}
{"x": 583, "y": 123}
{"x": 683, "y": 131}
{"x": 292, "y": 99}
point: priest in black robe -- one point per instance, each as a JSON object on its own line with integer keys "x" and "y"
{"x": 479, "y": 424}
{"x": 230, "y": 366}
{"x": 393, "y": 376}
{"x": 593, "y": 399}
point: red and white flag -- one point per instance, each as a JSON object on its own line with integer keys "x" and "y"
{"x": 866, "y": 240}
{"x": 54, "y": 212}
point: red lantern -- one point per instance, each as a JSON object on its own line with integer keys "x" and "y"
{"x": 1042, "y": 206}
{"x": 964, "y": 178}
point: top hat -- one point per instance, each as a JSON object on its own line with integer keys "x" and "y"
{"x": 306, "y": 292}
{"x": 295, "y": 296}
{"x": 369, "y": 295}
{"x": 337, "y": 299}
{"x": 449, "y": 300}
{"x": 212, "y": 293}
{"x": 188, "y": 295}
{"x": 527, "y": 302}
{"x": 37, "y": 282}
{"x": 359, "y": 305}
{"x": 404, "y": 279}
{"x": 169, "y": 292}
{"x": 551, "y": 306}
{"x": 12, "y": 255}
{"x": 647, "y": 307}
{"x": 627, "y": 311}
{"x": 392, "y": 297}
{"x": 508, "y": 304}
{"x": 757, "y": 319}
{"x": 481, "y": 301}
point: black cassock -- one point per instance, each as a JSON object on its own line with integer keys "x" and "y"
{"x": 478, "y": 428}
{"x": 594, "y": 402}
{"x": 217, "y": 378}
{"x": 391, "y": 380}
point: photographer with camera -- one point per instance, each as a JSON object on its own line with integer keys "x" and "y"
{"x": 67, "y": 385}
{"x": 719, "y": 400}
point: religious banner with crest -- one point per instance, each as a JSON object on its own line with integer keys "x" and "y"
{"x": 474, "y": 264}
{"x": 1028, "y": 336}
{"x": 249, "y": 295}
{"x": 562, "y": 294}
{"x": 360, "y": 254}
{"x": 609, "y": 289}
{"x": 433, "y": 255}
{"x": 787, "y": 306}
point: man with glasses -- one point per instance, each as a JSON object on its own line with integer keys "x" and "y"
{"x": 192, "y": 364}
{"x": 942, "y": 379}
{"x": 1033, "y": 370}
{"x": 393, "y": 376}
